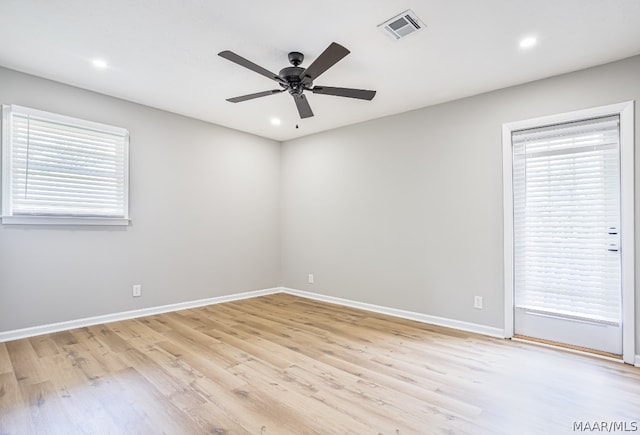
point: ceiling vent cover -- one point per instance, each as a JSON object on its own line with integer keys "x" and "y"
{"x": 401, "y": 25}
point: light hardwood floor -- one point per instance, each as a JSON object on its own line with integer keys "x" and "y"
{"x": 282, "y": 364}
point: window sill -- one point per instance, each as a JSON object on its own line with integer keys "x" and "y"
{"x": 62, "y": 220}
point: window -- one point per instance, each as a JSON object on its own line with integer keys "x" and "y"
{"x": 62, "y": 170}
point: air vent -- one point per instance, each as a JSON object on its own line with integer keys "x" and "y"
{"x": 401, "y": 25}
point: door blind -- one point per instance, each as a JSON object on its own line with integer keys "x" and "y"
{"x": 566, "y": 219}
{"x": 59, "y": 167}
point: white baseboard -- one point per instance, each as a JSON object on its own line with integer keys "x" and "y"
{"x": 125, "y": 315}
{"x": 115, "y": 317}
{"x": 637, "y": 363}
{"x": 424, "y": 318}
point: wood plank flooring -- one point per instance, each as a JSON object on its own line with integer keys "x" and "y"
{"x": 282, "y": 364}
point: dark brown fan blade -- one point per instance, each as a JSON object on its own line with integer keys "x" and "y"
{"x": 303, "y": 106}
{"x": 326, "y": 60}
{"x": 256, "y": 95}
{"x": 361, "y": 94}
{"x": 230, "y": 55}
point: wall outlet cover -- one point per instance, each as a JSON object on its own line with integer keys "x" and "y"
{"x": 477, "y": 302}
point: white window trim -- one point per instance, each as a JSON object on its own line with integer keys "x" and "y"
{"x": 627, "y": 122}
{"x": 8, "y": 219}
{"x": 62, "y": 220}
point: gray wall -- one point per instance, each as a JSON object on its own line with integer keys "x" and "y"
{"x": 204, "y": 209}
{"x": 406, "y": 211}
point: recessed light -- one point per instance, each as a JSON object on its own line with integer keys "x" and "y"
{"x": 99, "y": 63}
{"x": 275, "y": 121}
{"x": 528, "y": 42}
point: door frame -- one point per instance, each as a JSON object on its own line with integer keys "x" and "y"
{"x": 627, "y": 202}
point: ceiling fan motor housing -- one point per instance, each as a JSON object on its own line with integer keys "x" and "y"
{"x": 292, "y": 74}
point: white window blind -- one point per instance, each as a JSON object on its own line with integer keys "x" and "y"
{"x": 566, "y": 219}
{"x": 60, "y": 167}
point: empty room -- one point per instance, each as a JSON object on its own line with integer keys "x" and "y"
{"x": 363, "y": 217}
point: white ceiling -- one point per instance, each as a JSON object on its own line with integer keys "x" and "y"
{"x": 163, "y": 53}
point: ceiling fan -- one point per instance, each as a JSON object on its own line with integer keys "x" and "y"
{"x": 296, "y": 79}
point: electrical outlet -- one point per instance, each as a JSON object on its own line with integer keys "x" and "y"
{"x": 137, "y": 291}
{"x": 310, "y": 278}
{"x": 477, "y": 302}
